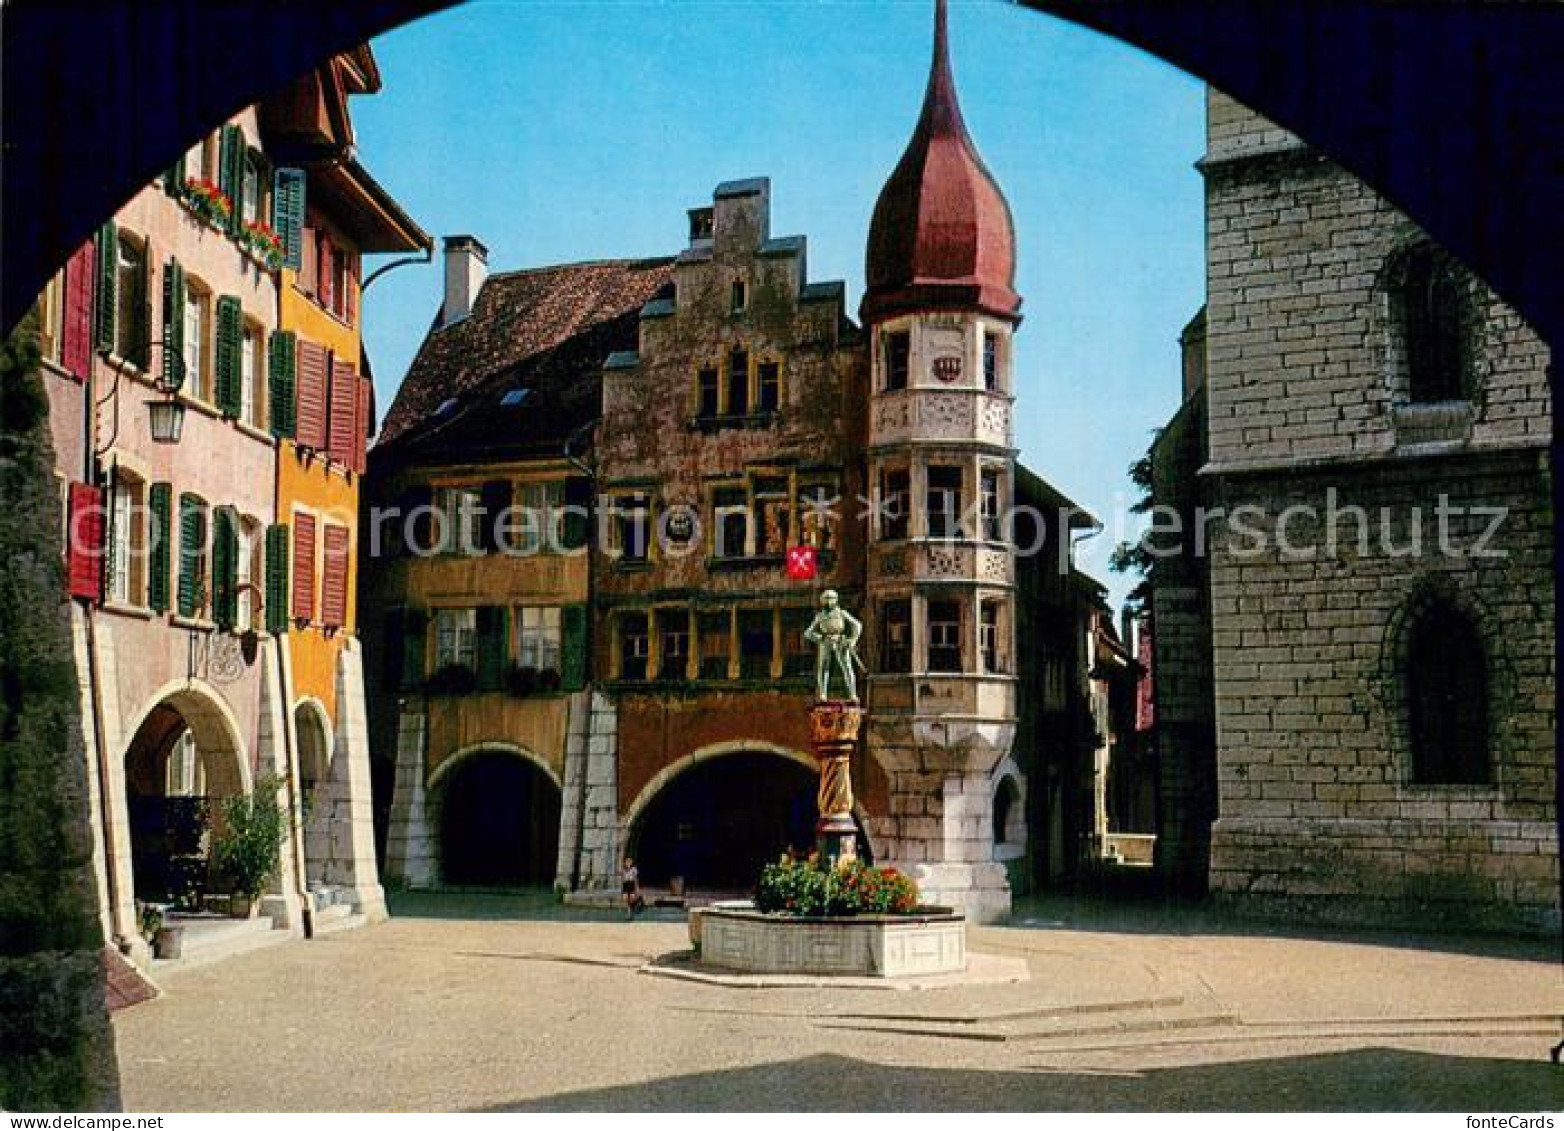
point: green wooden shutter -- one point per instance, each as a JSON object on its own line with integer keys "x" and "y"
{"x": 174, "y": 178}
{"x": 192, "y": 552}
{"x": 277, "y": 579}
{"x": 493, "y": 641}
{"x": 225, "y": 567}
{"x": 173, "y": 325}
{"x": 288, "y": 214}
{"x": 415, "y": 629}
{"x": 106, "y": 301}
{"x": 230, "y": 173}
{"x": 160, "y": 502}
{"x": 141, "y": 313}
{"x": 578, "y": 513}
{"x": 230, "y": 339}
{"x": 281, "y": 384}
{"x": 573, "y": 648}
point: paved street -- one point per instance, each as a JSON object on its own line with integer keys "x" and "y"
{"x": 512, "y": 1003}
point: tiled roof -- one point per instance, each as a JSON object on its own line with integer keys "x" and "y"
{"x": 548, "y": 328}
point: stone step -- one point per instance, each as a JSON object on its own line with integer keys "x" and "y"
{"x": 348, "y": 921}
{"x": 212, "y": 940}
{"x": 1087, "y": 1020}
{"x": 331, "y": 913}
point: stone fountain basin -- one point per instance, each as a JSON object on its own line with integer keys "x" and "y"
{"x": 735, "y": 936}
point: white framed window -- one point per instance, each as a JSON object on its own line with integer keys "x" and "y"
{"x": 459, "y": 508}
{"x": 250, "y": 370}
{"x": 198, "y": 311}
{"x": 182, "y": 773}
{"x": 541, "y": 505}
{"x": 130, "y": 321}
{"x": 455, "y": 638}
{"x": 539, "y": 633}
{"x": 253, "y": 182}
{"x": 127, "y": 566}
{"x": 250, "y": 572}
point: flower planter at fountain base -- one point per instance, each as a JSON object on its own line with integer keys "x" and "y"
{"x": 931, "y": 941}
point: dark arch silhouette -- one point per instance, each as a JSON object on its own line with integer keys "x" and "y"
{"x": 1451, "y": 111}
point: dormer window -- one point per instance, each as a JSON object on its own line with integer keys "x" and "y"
{"x": 700, "y": 225}
{"x": 739, "y": 297}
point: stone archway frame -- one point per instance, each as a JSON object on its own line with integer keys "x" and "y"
{"x": 1388, "y": 689}
{"x": 309, "y": 704}
{"x": 211, "y": 720}
{"x": 434, "y": 782}
{"x": 1008, "y": 770}
{"x": 677, "y": 768}
{"x": 434, "y": 787}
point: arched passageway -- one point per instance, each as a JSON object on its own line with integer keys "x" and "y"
{"x": 716, "y": 823}
{"x": 314, "y": 779}
{"x": 498, "y": 819}
{"x": 181, "y": 764}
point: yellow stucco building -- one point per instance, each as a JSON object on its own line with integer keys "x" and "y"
{"x": 343, "y": 214}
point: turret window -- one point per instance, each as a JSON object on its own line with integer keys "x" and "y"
{"x": 895, "y": 503}
{"x": 944, "y": 502}
{"x": 896, "y": 636}
{"x": 991, "y": 362}
{"x": 993, "y": 525}
{"x": 944, "y": 636}
{"x": 897, "y": 359}
{"x": 990, "y": 638}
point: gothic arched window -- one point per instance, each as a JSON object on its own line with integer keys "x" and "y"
{"x": 1433, "y": 320}
{"x": 1447, "y": 699}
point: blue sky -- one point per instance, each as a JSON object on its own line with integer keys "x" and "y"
{"x": 561, "y": 131}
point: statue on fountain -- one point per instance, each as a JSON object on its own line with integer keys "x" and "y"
{"x": 835, "y": 633}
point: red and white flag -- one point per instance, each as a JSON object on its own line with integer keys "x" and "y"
{"x": 802, "y": 563}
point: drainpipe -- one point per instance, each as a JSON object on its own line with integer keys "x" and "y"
{"x": 120, "y": 940}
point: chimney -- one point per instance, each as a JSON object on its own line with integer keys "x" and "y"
{"x": 466, "y": 267}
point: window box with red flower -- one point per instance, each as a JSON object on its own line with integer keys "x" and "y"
{"x": 261, "y": 243}
{"x": 207, "y": 201}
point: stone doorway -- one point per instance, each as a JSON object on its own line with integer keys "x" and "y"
{"x": 497, "y": 816}
{"x": 314, "y": 781}
{"x": 181, "y": 765}
{"x": 717, "y": 822}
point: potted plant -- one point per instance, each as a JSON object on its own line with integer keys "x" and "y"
{"x": 247, "y": 851}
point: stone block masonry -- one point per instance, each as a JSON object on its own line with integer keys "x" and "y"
{"x": 1368, "y": 503}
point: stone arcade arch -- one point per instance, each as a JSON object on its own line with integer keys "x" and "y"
{"x": 702, "y": 817}
{"x": 185, "y": 755}
{"x": 493, "y": 812}
{"x": 313, "y": 731}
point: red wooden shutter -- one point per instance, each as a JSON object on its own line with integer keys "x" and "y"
{"x": 85, "y": 533}
{"x": 344, "y": 412}
{"x": 325, "y": 271}
{"x": 76, "y": 335}
{"x": 303, "y": 567}
{"x": 311, "y": 391}
{"x": 334, "y": 583}
{"x": 350, "y": 287}
{"x": 366, "y": 425}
